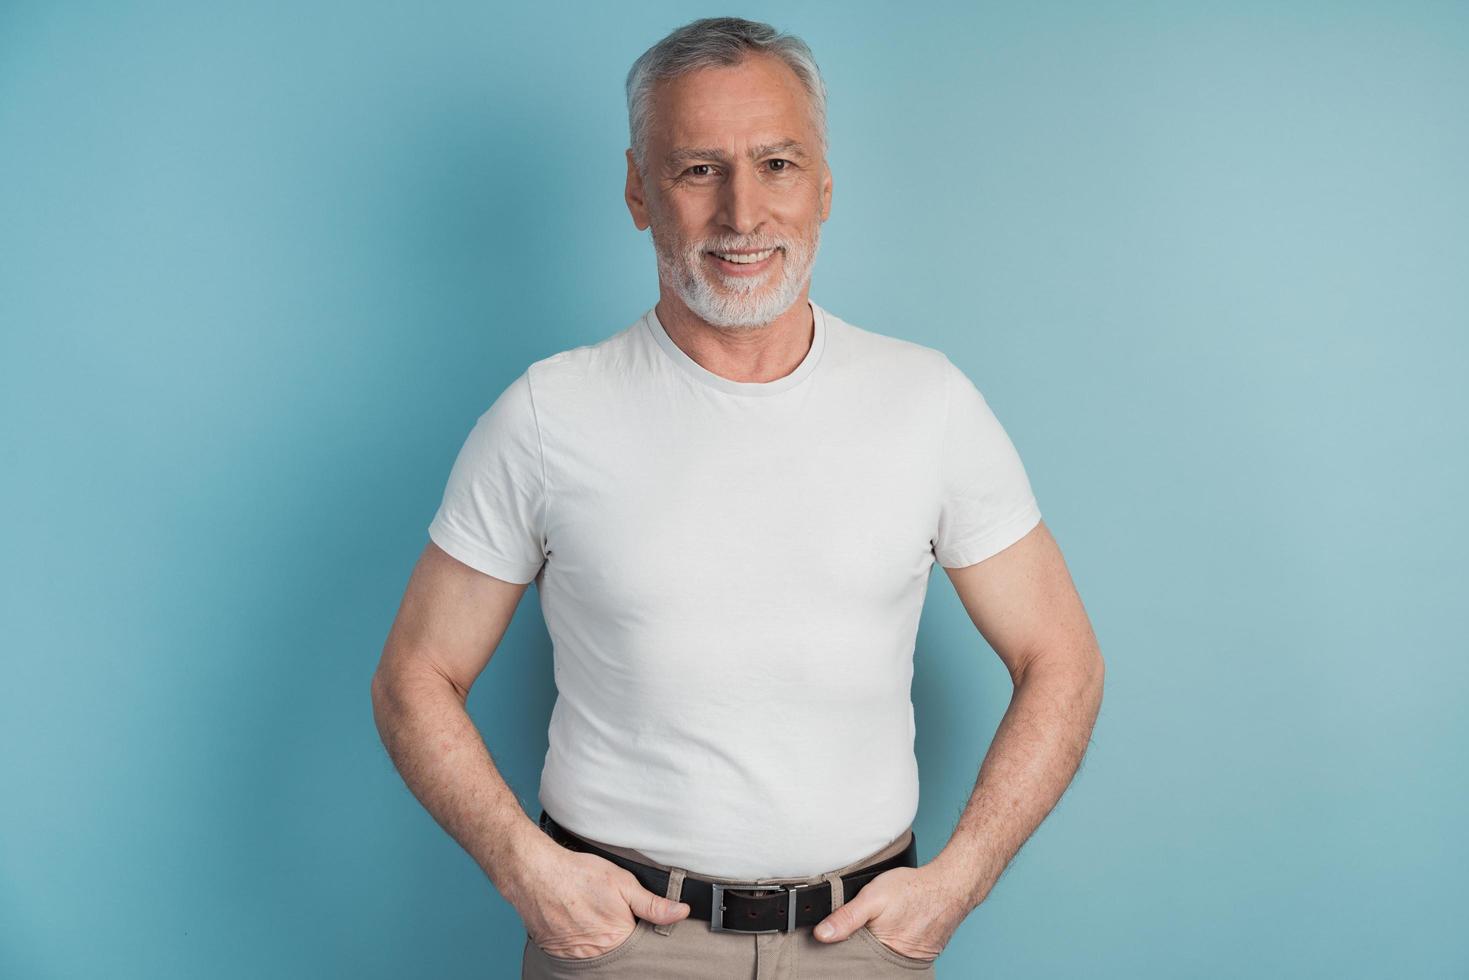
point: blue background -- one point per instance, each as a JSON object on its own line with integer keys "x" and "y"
{"x": 262, "y": 266}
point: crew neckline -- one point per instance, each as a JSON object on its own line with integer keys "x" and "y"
{"x": 703, "y": 375}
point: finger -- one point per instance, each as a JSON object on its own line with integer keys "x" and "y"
{"x": 654, "y": 908}
{"x": 843, "y": 922}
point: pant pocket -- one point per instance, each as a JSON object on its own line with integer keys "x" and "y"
{"x": 546, "y": 965}
{"x": 892, "y": 955}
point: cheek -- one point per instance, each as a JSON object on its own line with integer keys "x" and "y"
{"x": 677, "y": 222}
{"x": 800, "y": 215}
{"x": 688, "y": 203}
{"x": 799, "y": 201}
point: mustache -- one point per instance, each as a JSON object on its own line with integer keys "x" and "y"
{"x": 725, "y": 245}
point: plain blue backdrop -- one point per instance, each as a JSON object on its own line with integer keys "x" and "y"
{"x": 262, "y": 266}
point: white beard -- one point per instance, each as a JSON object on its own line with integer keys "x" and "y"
{"x": 737, "y": 302}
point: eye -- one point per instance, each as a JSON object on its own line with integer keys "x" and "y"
{"x": 696, "y": 167}
{"x": 784, "y": 165}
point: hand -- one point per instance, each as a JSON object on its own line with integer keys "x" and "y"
{"x": 913, "y": 911}
{"x": 577, "y": 905}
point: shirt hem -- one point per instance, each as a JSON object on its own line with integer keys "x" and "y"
{"x": 475, "y": 556}
{"x": 992, "y": 542}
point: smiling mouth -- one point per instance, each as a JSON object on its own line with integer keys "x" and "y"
{"x": 745, "y": 258}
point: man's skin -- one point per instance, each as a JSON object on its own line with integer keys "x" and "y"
{"x": 1022, "y": 600}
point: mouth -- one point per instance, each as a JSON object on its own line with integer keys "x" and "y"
{"x": 744, "y": 263}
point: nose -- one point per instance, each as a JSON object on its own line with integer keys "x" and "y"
{"x": 741, "y": 201}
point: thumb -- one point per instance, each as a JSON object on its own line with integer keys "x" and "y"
{"x": 841, "y": 923}
{"x": 656, "y": 908}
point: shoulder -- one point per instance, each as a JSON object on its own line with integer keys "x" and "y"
{"x": 885, "y": 357}
{"x": 576, "y": 366}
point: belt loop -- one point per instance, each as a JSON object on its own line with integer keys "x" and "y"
{"x": 675, "y": 889}
{"x": 836, "y": 889}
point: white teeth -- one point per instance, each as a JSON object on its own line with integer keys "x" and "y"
{"x": 746, "y": 259}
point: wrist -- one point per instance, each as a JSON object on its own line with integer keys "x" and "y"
{"x": 960, "y": 879}
{"x": 517, "y": 858}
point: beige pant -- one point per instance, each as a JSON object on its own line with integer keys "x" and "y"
{"x": 690, "y": 949}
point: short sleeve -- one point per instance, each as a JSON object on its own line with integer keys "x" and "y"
{"x": 492, "y": 513}
{"x": 986, "y": 500}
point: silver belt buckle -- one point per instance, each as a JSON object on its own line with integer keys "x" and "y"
{"x": 716, "y": 910}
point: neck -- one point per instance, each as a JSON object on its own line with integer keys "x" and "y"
{"x": 750, "y": 354}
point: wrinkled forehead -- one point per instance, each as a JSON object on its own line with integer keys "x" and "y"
{"x": 681, "y": 154}
{"x": 757, "y": 103}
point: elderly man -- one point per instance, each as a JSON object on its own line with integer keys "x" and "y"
{"x": 730, "y": 509}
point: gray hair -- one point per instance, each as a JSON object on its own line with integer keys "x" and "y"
{"x": 716, "y": 42}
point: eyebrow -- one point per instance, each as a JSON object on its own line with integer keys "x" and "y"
{"x": 791, "y": 147}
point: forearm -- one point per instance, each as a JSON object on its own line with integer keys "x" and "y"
{"x": 443, "y": 760}
{"x": 1036, "y": 751}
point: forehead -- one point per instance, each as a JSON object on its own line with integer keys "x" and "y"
{"x": 759, "y": 100}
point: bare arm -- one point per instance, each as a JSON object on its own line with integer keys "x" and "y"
{"x": 450, "y": 621}
{"x": 1024, "y": 603}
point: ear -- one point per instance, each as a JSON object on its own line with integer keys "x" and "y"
{"x": 637, "y": 205}
{"x": 826, "y": 192}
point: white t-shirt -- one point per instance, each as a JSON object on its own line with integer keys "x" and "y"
{"x": 732, "y": 574}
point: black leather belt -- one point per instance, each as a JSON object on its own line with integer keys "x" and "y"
{"x": 727, "y": 907}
